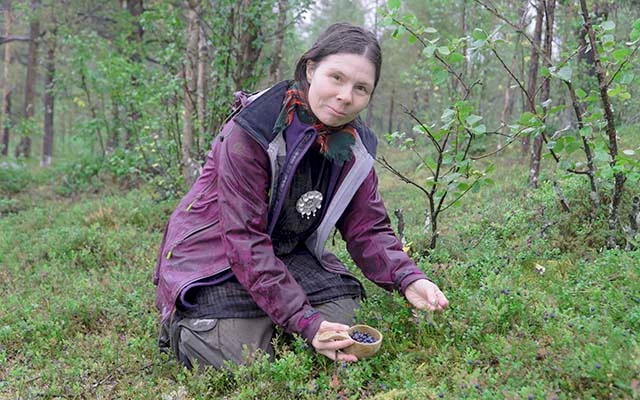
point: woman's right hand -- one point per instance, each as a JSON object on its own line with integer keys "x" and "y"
{"x": 332, "y": 348}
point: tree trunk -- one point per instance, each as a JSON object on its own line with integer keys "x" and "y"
{"x": 24, "y": 147}
{"x": 49, "y": 98}
{"x": 536, "y": 151}
{"x": 135, "y": 8}
{"x": 113, "y": 141}
{"x": 391, "y": 104}
{"x": 372, "y": 103}
{"x": 533, "y": 69}
{"x": 6, "y": 86}
{"x": 603, "y": 86}
{"x": 202, "y": 87}
{"x": 190, "y": 78}
{"x": 509, "y": 99}
{"x": 275, "y": 71}
{"x": 249, "y": 50}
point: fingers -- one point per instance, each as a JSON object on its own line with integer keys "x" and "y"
{"x": 331, "y": 348}
{"x": 333, "y": 345}
{"x": 436, "y": 300}
{"x": 425, "y": 295}
{"x": 443, "y": 302}
{"x": 338, "y": 355}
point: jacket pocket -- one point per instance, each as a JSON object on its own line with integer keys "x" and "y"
{"x": 200, "y": 195}
{"x": 190, "y": 235}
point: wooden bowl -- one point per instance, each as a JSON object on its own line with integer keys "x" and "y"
{"x": 364, "y": 350}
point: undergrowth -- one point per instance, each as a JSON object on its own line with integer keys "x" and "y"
{"x": 539, "y": 309}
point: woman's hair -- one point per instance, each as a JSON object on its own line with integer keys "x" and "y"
{"x": 341, "y": 38}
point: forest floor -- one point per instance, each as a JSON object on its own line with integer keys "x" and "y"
{"x": 539, "y": 309}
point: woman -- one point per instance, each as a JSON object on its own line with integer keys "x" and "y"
{"x": 244, "y": 250}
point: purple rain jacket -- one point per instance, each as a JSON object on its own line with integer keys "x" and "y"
{"x": 223, "y": 224}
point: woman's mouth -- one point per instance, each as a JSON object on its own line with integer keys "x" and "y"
{"x": 336, "y": 112}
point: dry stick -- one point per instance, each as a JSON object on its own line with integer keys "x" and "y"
{"x": 619, "y": 177}
{"x": 561, "y": 196}
{"x": 398, "y": 213}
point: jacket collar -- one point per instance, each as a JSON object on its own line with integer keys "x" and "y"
{"x": 259, "y": 116}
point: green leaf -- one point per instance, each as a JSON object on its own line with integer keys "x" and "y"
{"x": 564, "y": 73}
{"x": 608, "y": 40}
{"x": 629, "y": 152}
{"x": 429, "y": 50}
{"x": 601, "y": 155}
{"x": 430, "y": 30}
{"x": 444, "y": 50}
{"x": 387, "y": 20}
{"x": 411, "y": 39}
{"x": 456, "y": 58}
{"x": 627, "y": 78}
{"x": 608, "y": 25}
{"x": 580, "y": 94}
{"x": 586, "y": 131}
{"x": 621, "y": 54}
{"x": 479, "y": 130}
{"x": 394, "y": 4}
{"x": 473, "y": 119}
{"x": 447, "y": 115}
{"x": 557, "y": 146}
{"x": 479, "y": 34}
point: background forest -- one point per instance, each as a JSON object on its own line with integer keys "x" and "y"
{"x": 508, "y": 160}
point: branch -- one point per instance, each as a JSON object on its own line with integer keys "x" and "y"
{"x": 529, "y": 99}
{"x": 512, "y": 140}
{"x": 427, "y": 131}
{"x": 449, "y": 69}
{"x": 394, "y": 171}
{"x": 460, "y": 195}
{"x": 13, "y": 38}
{"x": 623, "y": 64}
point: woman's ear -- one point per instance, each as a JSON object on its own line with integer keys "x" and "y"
{"x": 311, "y": 68}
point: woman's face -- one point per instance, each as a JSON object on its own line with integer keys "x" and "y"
{"x": 340, "y": 86}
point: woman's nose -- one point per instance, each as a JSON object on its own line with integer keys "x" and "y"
{"x": 345, "y": 94}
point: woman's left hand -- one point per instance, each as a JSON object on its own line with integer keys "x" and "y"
{"x": 425, "y": 295}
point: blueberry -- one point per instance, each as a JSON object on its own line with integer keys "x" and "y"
{"x": 362, "y": 337}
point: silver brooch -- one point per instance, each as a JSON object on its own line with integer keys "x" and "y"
{"x": 309, "y": 203}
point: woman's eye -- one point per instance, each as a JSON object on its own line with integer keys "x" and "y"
{"x": 362, "y": 89}
{"x": 336, "y": 77}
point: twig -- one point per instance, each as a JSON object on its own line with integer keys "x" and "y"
{"x": 446, "y": 64}
{"x": 388, "y": 166}
{"x": 426, "y": 130}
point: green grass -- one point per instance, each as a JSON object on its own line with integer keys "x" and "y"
{"x": 77, "y": 318}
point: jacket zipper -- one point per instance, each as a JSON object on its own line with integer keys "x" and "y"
{"x": 200, "y": 195}
{"x": 189, "y": 234}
